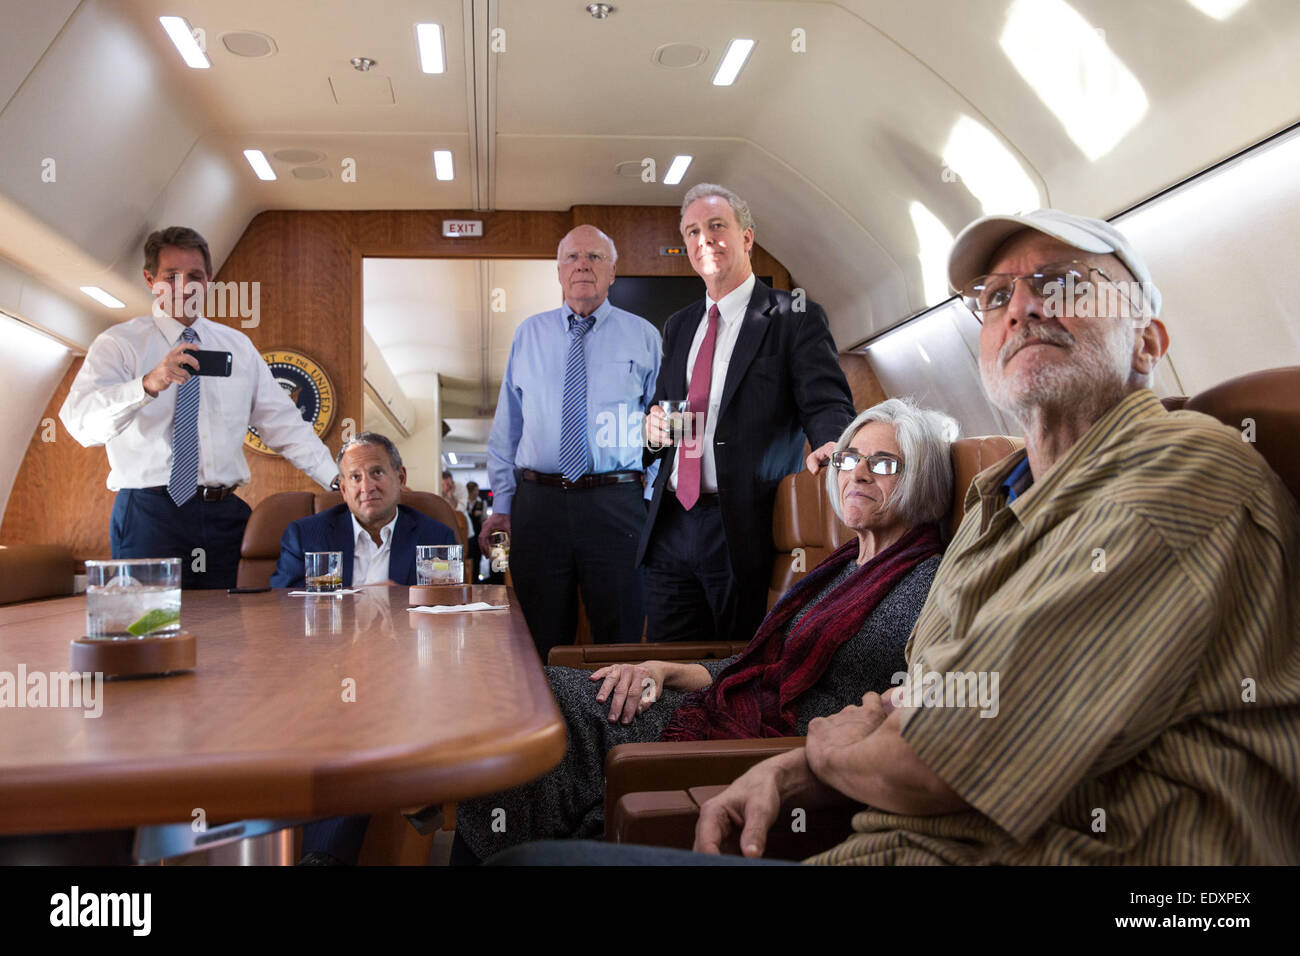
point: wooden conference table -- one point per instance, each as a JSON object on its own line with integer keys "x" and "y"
{"x": 446, "y": 707}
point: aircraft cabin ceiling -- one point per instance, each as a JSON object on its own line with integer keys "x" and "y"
{"x": 863, "y": 131}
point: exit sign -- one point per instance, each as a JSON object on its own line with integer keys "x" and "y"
{"x": 462, "y": 228}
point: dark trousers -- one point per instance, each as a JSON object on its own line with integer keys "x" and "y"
{"x": 340, "y": 837}
{"x": 594, "y": 853}
{"x": 147, "y": 524}
{"x": 565, "y": 540}
{"x": 691, "y": 593}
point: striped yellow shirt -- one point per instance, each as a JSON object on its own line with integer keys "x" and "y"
{"x": 1140, "y": 604}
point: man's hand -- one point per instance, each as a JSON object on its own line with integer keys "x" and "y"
{"x": 833, "y": 736}
{"x": 495, "y": 522}
{"x": 657, "y": 434}
{"x": 622, "y": 687}
{"x": 751, "y": 804}
{"x": 819, "y": 456}
{"x": 173, "y": 368}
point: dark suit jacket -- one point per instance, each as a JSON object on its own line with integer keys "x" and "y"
{"x": 783, "y": 383}
{"x": 332, "y": 531}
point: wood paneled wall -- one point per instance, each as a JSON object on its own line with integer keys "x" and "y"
{"x": 308, "y": 265}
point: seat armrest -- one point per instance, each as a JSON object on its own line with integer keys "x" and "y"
{"x": 668, "y": 819}
{"x": 630, "y": 768}
{"x": 591, "y": 656}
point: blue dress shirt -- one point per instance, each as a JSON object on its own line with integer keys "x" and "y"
{"x": 622, "y": 352}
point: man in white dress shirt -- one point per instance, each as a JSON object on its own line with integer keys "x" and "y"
{"x": 758, "y": 370}
{"x": 175, "y": 440}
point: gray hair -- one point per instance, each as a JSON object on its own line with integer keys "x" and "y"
{"x": 613, "y": 250}
{"x": 371, "y": 438}
{"x": 925, "y": 436}
{"x": 738, "y": 205}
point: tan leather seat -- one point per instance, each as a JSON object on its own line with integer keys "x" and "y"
{"x": 1270, "y": 401}
{"x": 32, "y": 571}
{"x": 261, "y": 545}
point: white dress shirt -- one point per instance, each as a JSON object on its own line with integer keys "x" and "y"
{"x": 731, "y": 315}
{"x": 108, "y": 405}
{"x": 370, "y": 560}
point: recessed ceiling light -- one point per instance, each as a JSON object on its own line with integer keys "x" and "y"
{"x": 677, "y": 170}
{"x": 442, "y": 164}
{"x": 178, "y": 28}
{"x": 429, "y": 37}
{"x": 451, "y": 457}
{"x": 599, "y": 10}
{"x": 259, "y": 164}
{"x": 733, "y": 62}
{"x": 102, "y": 297}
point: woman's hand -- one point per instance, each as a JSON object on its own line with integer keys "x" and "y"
{"x": 625, "y": 688}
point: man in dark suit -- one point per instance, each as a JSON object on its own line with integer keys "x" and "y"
{"x": 759, "y": 371}
{"x": 378, "y": 538}
{"x": 377, "y": 535}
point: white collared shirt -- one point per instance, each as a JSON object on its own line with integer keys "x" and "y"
{"x": 370, "y": 560}
{"x": 731, "y": 315}
{"x": 107, "y": 405}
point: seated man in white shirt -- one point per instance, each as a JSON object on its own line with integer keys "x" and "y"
{"x": 377, "y": 535}
{"x": 176, "y": 455}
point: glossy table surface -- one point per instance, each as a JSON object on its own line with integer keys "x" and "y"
{"x": 298, "y": 707}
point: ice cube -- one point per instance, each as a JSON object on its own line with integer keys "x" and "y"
{"x": 122, "y": 582}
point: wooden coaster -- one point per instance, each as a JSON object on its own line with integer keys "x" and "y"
{"x": 439, "y": 594}
{"x": 136, "y": 657}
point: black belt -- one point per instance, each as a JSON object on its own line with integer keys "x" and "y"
{"x": 586, "y": 481}
{"x": 206, "y": 492}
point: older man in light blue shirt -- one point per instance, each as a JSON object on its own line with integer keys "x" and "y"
{"x": 564, "y": 455}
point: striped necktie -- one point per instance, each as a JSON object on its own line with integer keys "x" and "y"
{"x": 573, "y": 407}
{"x": 184, "y": 482}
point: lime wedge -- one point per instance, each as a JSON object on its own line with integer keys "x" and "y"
{"x": 158, "y": 617}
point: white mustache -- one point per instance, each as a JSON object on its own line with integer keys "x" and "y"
{"x": 1045, "y": 333}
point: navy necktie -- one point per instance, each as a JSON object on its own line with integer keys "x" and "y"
{"x": 184, "y": 481}
{"x": 573, "y": 407}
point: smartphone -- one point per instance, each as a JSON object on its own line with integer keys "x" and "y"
{"x": 247, "y": 590}
{"x": 211, "y": 362}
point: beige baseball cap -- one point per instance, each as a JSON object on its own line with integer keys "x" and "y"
{"x": 975, "y": 245}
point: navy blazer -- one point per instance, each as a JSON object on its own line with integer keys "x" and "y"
{"x": 332, "y": 531}
{"x": 783, "y": 383}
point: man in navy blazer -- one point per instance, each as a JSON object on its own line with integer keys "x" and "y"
{"x": 377, "y": 535}
{"x": 761, "y": 368}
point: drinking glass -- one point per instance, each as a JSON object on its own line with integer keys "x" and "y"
{"x": 324, "y": 571}
{"x": 437, "y": 564}
{"x": 133, "y": 598}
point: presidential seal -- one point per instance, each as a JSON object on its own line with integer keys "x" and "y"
{"x": 308, "y": 386}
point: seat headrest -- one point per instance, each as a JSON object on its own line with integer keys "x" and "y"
{"x": 1271, "y": 400}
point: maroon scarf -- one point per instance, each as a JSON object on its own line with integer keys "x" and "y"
{"x": 756, "y": 695}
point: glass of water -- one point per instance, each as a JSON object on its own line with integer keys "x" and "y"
{"x": 439, "y": 564}
{"x": 133, "y": 598}
{"x": 324, "y": 571}
{"x": 676, "y": 412}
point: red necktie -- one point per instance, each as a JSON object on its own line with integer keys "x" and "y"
{"x": 697, "y": 404}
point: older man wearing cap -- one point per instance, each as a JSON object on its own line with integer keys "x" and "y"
{"x": 1127, "y": 587}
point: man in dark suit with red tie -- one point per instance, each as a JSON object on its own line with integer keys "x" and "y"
{"x": 759, "y": 371}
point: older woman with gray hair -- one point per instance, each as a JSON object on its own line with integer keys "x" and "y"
{"x": 836, "y": 634}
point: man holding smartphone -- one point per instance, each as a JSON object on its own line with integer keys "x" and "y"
{"x": 175, "y": 431}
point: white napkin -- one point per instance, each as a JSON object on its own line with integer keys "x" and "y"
{"x": 457, "y": 608}
{"x": 324, "y": 593}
